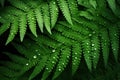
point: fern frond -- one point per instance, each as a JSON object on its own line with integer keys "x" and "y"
{"x": 46, "y": 17}
{"x": 4, "y": 78}
{"x": 114, "y": 39}
{"x": 7, "y": 72}
{"x": 63, "y": 61}
{"x": 73, "y": 7}
{"x": 76, "y": 57}
{"x": 11, "y": 65}
{"x": 105, "y": 45}
{"x": 84, "y": 3}
{"x": 112, "y": 4}
{"x": 4, "y": 28}
{"x": 39, "y": 17}
{"x": 20, "y": 5}
{"x": 32, "y": 22}
{"x": 53, "y": 12}
{"x": 50, "y": 64}
{"x": 93, "y": 3}
{"x": 39, "y": 67}
{"x": 22, "y": 26}
{"x": 13, "y": 31}
{"x": 16, "y": 59}
{"x": 95, "y": 50}
{"x": 65, "y": 10}
{"x": 86, "y": 45}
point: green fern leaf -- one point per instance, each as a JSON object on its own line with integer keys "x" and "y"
{"x": 11, "y": 65}
{"x": 4, "y": 28}
{"x": 65, "y": 55}
{"x": 46, "y": 17}
{"x": 65, "y": 10}
{"x": 84, "y": 3}
{"x": 32, "y": 22}
{"x": 39, "y": 17}
{"x": 87, "y": 53}
{"x": 95, "y": 50}
{"x": 13, "y": 31}
{"x": 114, "y": 39}
{"x": 86, "y": 14}
{"x": 53, "y": 12}
{"x": 7, "y": 72}
{"x": 50, "y": 64}
{"x": 112, "y": 4}
{"x": 80, "y": 29}
{"x": 3, "y": 77}
{"x": 22, "y": 26}
{"x": 93, "y": 3}
{"x": 105, "y": 45}
{"x": 16, "y": 59}
{"x": 19, "y": 4}
{"x": 73, "y": 6}
{"x": 76, "y": 57}
{"x": 67, "y": 33}
{"x": 39, "y": 67}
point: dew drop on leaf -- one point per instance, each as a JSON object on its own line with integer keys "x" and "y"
{"x": 53, "y": 62}
{"x": 53, "y": 57}
{"x": 53, "y": 50}
{"x": 27, "y": 64}
{"x": 46, "y": 68}
{"x": 90, "y": 34}
{"x": 59, "y": 69}
{"x": 75, "y": 53}
{"x": 93, "y": 44}
{"x": 36, "y": 50}
{"x": 35, "y": 57}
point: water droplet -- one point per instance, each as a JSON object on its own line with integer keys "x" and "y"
{"x": 115, "y": 34}
{"x": 75, "y": 53}
{"x": 25, "y": 7}
{"x": 94, "y": 56}
{"x": 54, "y": 58}
{"x": 46, "y": 68}
{"x": 67, "y": 56}
{"x": 87, "y": 43}
{"x": 93, "y": 32}
{"x": 36, "y": 50}
{"x": 93, "y": 44}
{"x": 34, "y": 56}
{"x": 53, "y": 62}
{"x": 90, "y": 34}
{"x": 56, "y": 9}
{"x": 73, "y": 63}
{"x": 27, "y": 64}
{"x": 59, "y": 69}
{"x": 95, "y": 48}
{"x": 12, "y": 33}
{"x": 63, "y": 63}
{"x": 114, "y": 49}
{"x": 88, "y": 51}
{"x": 53, "y": 50}
{"x": 53, "y": 2}
{"x": 75, "y": 57}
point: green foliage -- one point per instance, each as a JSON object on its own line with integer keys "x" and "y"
{"x": 27, "y": 13}
{"x": 89, "y": 32}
